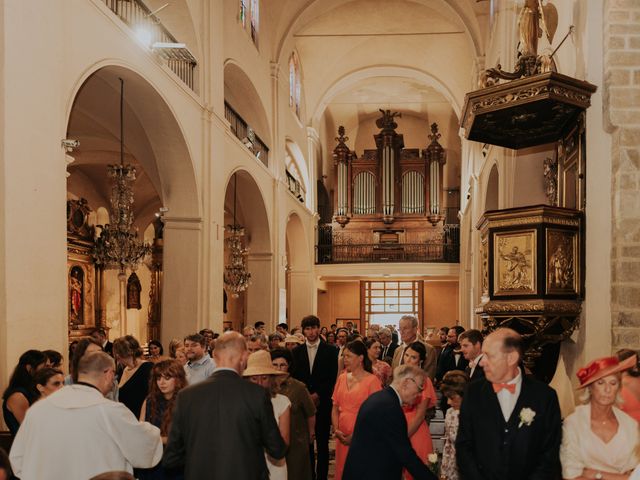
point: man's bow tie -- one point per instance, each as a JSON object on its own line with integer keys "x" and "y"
{"x": 511, "y": 387}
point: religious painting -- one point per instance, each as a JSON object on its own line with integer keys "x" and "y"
{"x": 344, "y": 322}
{"x": 133, "y": 292}
{"x": 514, "y": 263}
{"x": 562, "y": 262}
{"x": 76, "y": 296}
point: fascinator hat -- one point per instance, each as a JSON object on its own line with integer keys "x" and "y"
{"x": 259, "y": 363}
{"x": 603, "y": 367}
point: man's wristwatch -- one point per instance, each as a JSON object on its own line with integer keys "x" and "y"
{"x": 598, "y": 476}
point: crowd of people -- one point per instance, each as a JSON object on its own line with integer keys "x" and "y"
{"x": 258, "y": 405}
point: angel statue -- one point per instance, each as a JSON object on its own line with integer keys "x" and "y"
{"x": 534, "y": 19}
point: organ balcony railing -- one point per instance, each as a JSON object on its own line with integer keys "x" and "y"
{"x": 150, "y": 30}
{"x": 247, "y": 136}
{"x": 330, "y": 250}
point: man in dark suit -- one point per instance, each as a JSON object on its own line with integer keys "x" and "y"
{"x": 387, "y": 347}
{"x": 471, "y": 347}
{"x": 316, "y": 365}
{"x": 509, "y": 424}
{"x": 380, "y": 447}
{"x": 223, "y": 426}
{"x": 451, "y": 357}
{"x": 100, "y": 335}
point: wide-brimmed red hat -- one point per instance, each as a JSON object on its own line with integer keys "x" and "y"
{"x": 602, "y": 367}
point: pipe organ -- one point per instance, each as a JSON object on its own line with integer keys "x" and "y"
{"x": 391, "y": 182}
{"x": 390, "y": 197}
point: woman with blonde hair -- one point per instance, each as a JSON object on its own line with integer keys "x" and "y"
{"x": 599, "y": 440}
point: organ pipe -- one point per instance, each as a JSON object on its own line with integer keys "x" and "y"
{"x": 389, "y": 144}
{"x": 435, "y": 157}
{"x": 342, "y": 157}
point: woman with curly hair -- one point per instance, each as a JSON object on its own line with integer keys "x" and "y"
{"x": 167, "y": 379}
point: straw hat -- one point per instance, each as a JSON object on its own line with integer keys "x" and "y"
{"x": 259, "y": 363}
{"x": 603, "y": 367}
{"x": 292, "y": 339}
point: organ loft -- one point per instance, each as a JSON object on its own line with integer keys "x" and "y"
{"x": 390, "y": 203}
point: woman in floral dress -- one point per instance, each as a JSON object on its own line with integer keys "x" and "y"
{"x": 452, "y": 387}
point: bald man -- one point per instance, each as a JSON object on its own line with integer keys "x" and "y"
{"x": 223, "y": 426}
{"x": 509, "y": 423}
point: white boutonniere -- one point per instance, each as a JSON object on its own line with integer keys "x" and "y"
{"x": 526, "y": 417}
{"x": 433, "y": 460}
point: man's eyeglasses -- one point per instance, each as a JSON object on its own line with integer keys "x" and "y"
{"x": 420, "y": 387}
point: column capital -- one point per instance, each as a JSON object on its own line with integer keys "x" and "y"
{"x": 312, "y": 135}
{"x": 275, "y": 70}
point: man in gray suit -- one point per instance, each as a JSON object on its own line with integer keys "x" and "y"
{"x": 222, "y": 427}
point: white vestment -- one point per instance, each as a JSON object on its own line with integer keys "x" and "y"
{"x": 76, "y": 433}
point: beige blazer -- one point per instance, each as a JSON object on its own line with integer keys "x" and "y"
{"x": 430, "y": 362}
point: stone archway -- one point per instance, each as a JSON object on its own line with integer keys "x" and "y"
{"x": 155, "y": 144}
{"x": 492, "y": 190}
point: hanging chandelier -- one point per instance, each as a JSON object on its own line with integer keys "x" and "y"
{"x": 118, "y": 246}
{"x": 236, "y": 275}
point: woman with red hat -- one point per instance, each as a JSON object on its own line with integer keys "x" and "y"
{"x": 599, "y": 440}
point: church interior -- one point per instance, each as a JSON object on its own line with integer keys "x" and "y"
{"x": 353, "y": 159}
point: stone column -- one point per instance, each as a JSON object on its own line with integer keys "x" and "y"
{"x": 622, "y": 113}
{"x": 181, "y": 307}
{"x": 260, "y": 294}
{"x": 33, "y": 237}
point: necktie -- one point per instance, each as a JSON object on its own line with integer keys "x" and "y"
{"x": 510, "y": 387}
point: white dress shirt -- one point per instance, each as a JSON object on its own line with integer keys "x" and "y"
{"x": 507, "y": 399}
{"x": 312, "y": 350}
{"x": 474, "y": 363}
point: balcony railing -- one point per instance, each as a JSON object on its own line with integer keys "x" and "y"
{"x": 295, "y": 187}
{"x": 148, "y": 27}
{"x": 378, "y": 253}
{"x": 241, "y": 130}
{"x": 329, "y": 251}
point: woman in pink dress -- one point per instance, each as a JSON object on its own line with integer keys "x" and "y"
{"x": 353, "y": 387}
{"x": 415, "y": 354}
{"x": 380, "y": 369}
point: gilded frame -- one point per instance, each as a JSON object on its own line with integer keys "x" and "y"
{"x": 515, "y": 263}
{"x": 562, "y": 262}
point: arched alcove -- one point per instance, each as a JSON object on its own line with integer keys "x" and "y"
{"x": 242, "y": 96}
{"x": 244, "y": 198}
{"x": 492, "y": 192}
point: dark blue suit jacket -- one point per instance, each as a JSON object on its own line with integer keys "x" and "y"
{"x": 380, "y": 446}
{"x": 488, "y": 448}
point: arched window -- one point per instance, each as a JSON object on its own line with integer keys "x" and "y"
{"x": 255, "y": 20}
{"x": 243, "y": 13}
{"x": 294, "y": 83}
